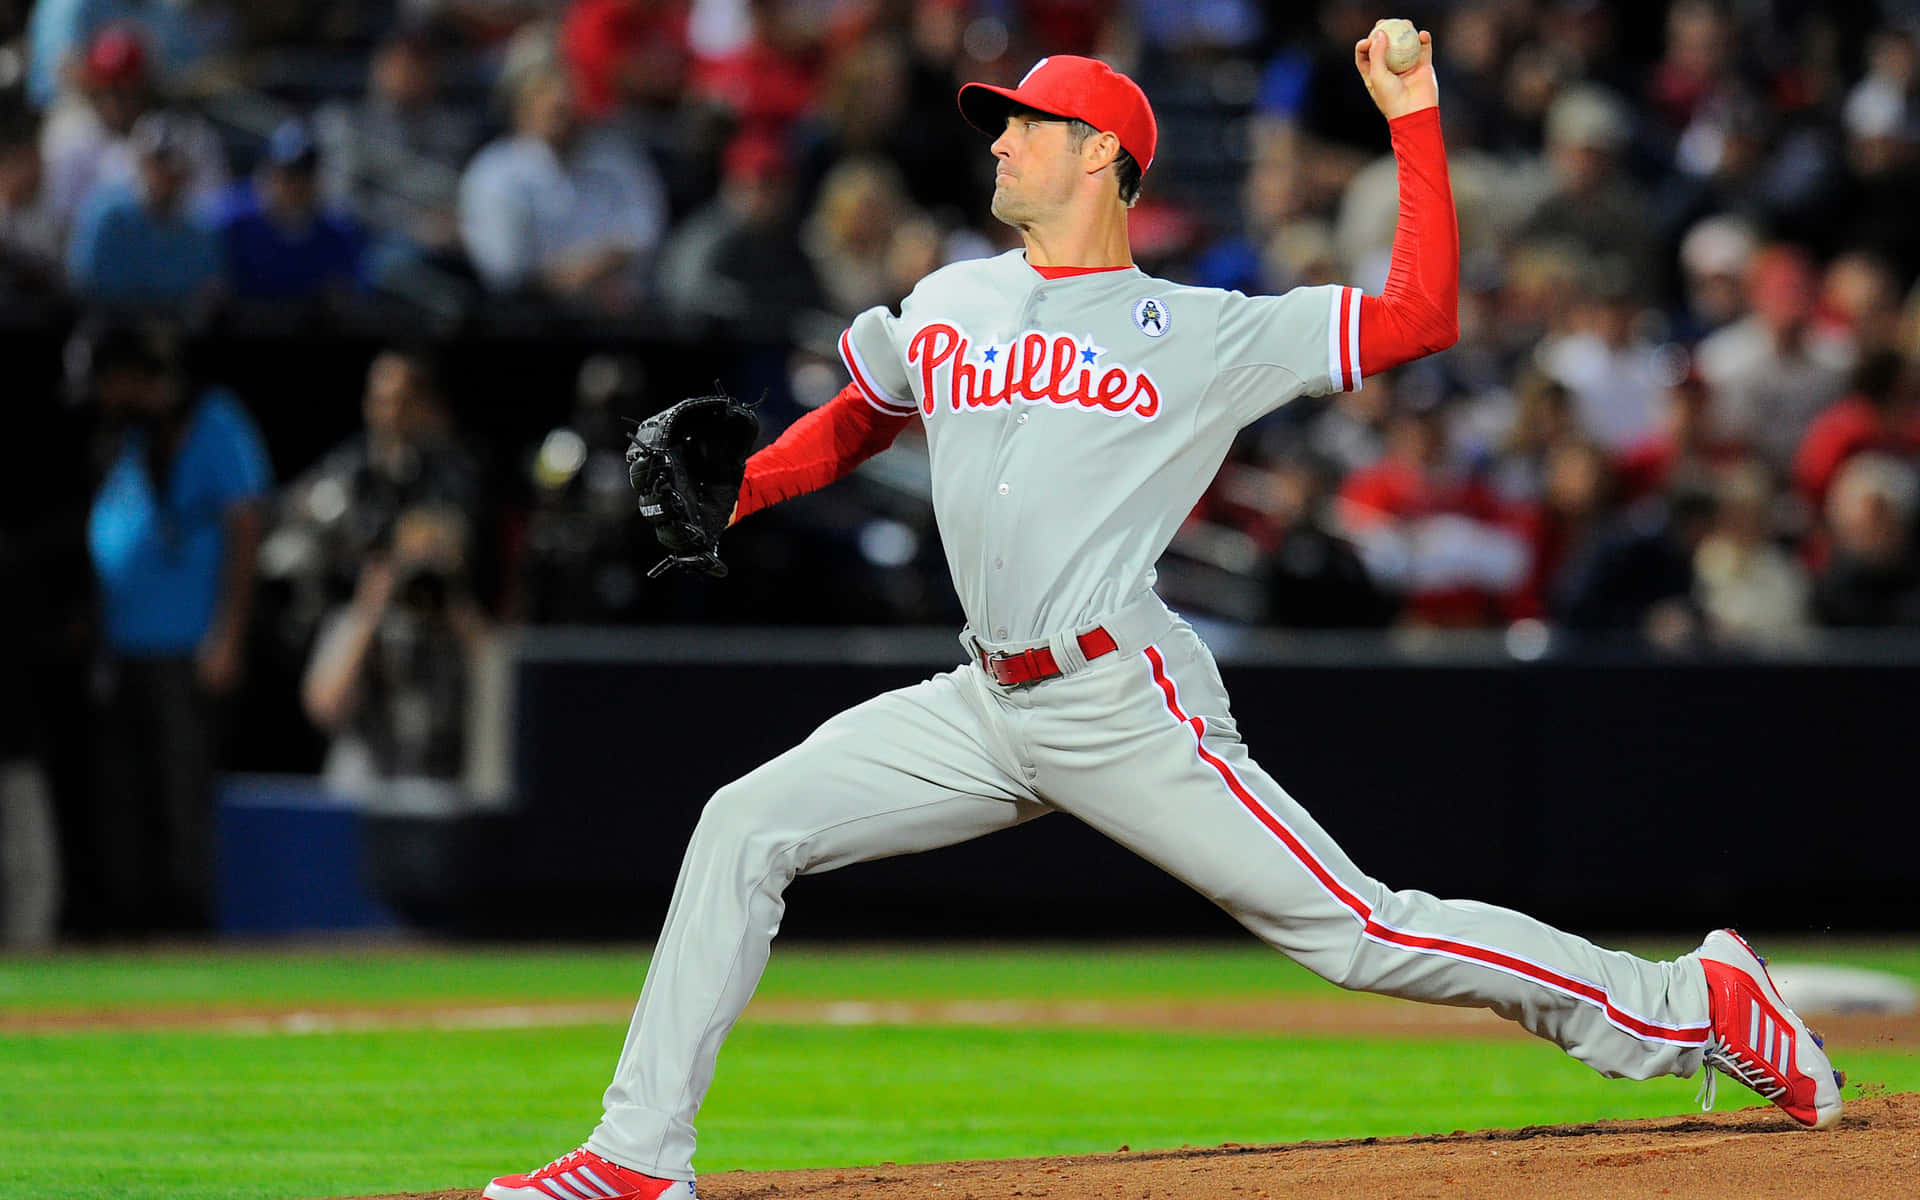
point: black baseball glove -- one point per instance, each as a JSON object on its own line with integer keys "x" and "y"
{"x": 687, "y": 462}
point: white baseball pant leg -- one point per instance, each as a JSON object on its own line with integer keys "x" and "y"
{"x": 1163, "y": 772}
{"x": 910, "y": 770}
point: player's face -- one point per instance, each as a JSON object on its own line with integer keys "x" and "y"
{"x": 1037, "y": 169}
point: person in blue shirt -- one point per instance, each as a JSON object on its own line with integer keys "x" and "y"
{"x": 279, "y": 243}
{"x": 173, "y": 535}
{"x": 142, "y": 246}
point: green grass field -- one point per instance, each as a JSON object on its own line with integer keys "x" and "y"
{"x": 192, "y": 1114}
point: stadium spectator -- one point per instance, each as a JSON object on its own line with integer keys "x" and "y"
{"x": 1697, "y": 64}
{"x": 1723, "y": 171}
{"x": 1592, "y": 205}
{"x": 1541, "y": 418}
{"x": 140, "y": 245}
{"x": 851, "y": 234}
{"x": 1350, "y": 431}
{"x": 393, "y": 157}
{"x": 1301, "y": 87}
{"x": 187, "y": 34}
{"x": 1714, "y": 257}
{"x": 1872, "y": 577}
{"x": 1637, "y": 573}
{"x": 1771, "y": 371}
{"x": 1685, "y": 444}
{"x": 1270, "y": 201}
{"x": 394, "y": 672}
{"x": 622, "y": 53}
{"x": 32, "y": 231}
{"x": 87, "y": 138}
{"x": 736, "y": 266}
{"x": 1431, "y": 531}
{"x": 1312, "y": 576}
{"x": 1577, "y": 495}
{"x": 279, "y": 243}
{"x": 940, "y": 158}
{"x": 1750, "y": 591}
{"x": 768, "y": 75}
{"x": 1871, "y": 204}
{"x": 173, "y": 533}
{"x": 1860, "y": 301}
{"x": 1613, "y": 371}
{"x": 1879, "y": 414}
{"x": 558, "y": 209}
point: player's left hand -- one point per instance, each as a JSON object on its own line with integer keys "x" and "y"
{"x": 1396, "y": 95}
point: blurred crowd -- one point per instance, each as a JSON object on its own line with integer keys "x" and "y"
{"x": 1683, "y": 409}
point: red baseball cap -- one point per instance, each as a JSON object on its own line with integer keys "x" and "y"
{"x": 116, "y": 55}
{"x": 1067, "y": 85}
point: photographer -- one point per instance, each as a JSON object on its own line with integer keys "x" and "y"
{"x": 395, "y": 672}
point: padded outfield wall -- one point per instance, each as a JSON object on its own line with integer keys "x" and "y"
{"x": 1604, "y": 790}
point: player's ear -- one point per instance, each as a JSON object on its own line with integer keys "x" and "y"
{"x": 1100, "y": 151}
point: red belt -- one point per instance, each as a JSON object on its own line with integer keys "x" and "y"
{"x": 1031, "y": 666}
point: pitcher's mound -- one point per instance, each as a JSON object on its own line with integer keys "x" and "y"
{"x": 1755, "y": 1154}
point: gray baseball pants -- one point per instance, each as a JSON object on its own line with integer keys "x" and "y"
{"x": 1140, "y": 745}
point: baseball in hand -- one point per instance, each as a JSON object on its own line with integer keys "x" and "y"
{"x": 1403, "y": 44}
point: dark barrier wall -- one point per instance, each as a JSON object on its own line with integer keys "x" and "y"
{"x": 1605, "y": 794}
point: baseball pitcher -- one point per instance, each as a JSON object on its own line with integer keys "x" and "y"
{"x": 1074, "y": 409}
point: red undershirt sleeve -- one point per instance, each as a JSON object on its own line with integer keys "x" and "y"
{"x": 818, "y": 449}
{"x": 1417, "y": 312}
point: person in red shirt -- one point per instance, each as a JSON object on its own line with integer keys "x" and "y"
{"x": 621, "y": 52}
{"x": 1685, "y": 439}
{"x": 1879, "y": 412}
{"x": 1438, "y": 535}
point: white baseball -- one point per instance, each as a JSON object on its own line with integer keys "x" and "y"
{"x": 1403, "y": 44}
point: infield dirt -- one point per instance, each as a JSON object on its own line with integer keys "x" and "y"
{"x": 1757, "y": 1154}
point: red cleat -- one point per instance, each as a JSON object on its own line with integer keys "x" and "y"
{"x": 584, "y": 1175}
{"x": 1761, "y": 1042}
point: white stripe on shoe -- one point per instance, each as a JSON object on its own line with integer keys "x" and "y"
{"x": 598, "y": 1182}
{"x": 588, "y": 1191}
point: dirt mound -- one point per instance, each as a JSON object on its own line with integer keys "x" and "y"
{"x": 1873, "y": 1154}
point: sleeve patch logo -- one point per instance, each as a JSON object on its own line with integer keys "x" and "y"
{"x": 1150, "y": 316}
{"x": 1035, "y": 367}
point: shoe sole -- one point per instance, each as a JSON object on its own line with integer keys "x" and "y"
{"x": 679, "y": 1191}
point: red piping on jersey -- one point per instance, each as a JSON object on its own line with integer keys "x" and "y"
{"x": 1064, "y": 272}
{"x": 1347, "y": 380}
{"x": 1385, "y": 934}
{"x": 1417, "y": 311}
{"x": 818, "y": 449}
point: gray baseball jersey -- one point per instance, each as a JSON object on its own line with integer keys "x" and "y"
{"x": 1072, "y": 424}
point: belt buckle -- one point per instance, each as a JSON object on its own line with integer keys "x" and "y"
{"x": 989, "y": 658}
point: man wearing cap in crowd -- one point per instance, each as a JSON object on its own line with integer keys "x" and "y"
{"x": 186, "y": 34}
{"x": 140, "y": 244}
{"x": 1593, "y": 205}
{"x": 280, "y": 243}
{"x": 85, "y": 139}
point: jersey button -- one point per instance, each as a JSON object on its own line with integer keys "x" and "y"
{"x": 997, "y": 564}
{"x": 1000, "y": 634}
{"x": 1004, "y": 489}
{"x": 1023, "y": 419}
